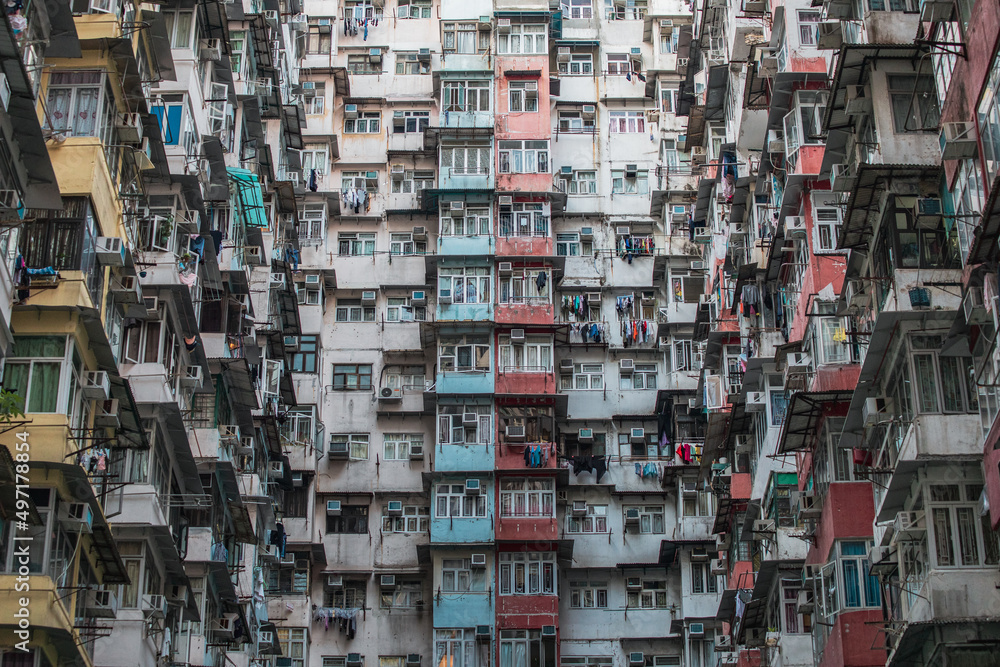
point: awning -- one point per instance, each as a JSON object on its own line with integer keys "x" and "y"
{"x": 222, "y": 584}
{"x": 804, "y": 413}
{"x": 288, "y": 303}
{"x": 738, "y": 206}
{"x": 218, "y": 189}
{"x": 316, "y": 550}
{"x": 239, "y": 386}
{"x": 715, "y": 439}
{"x": 215, "y": 21}
{"x": 984, "y": 239}
{"x": 523, "y": 73}
{"x": 250, "y": 196}
{"x": 230, "y": 489}
{"x": 704, "y": 201}
{"x": 76, "y": 483}
{"x": 952, "y": 641}
{"x": 295, "y": 122}
{"x": 41, "y": 191}
{"x": 715, "y": 94}
{"x": 64, "y": 42}
{"x": 159, "y": 44}
{"x": 852, "y": 64}
{"x": 275, "y": 647}
{"x": 864, "y": 204}
{"x": 669, "y": 549}
{"x": 172, "y": 423}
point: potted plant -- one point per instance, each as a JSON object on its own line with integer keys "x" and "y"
{"x": 772, "y": 637}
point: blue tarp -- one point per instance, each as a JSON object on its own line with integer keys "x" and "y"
{"x": 251, "y": 197}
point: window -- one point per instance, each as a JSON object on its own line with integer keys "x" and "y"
{"x": 465, "y": 284}
{"x": 458, "y": 576}
{"x": 803, "y": 124}
{"x": 464, "y": 38}
{"x": 180, "y": 28}
{"x": 668, "y": 39}
{"x": 532, "y": 356}
{"x": 356, "y": 243}
{"x": 469, "y": 222}
{"x": 580, "y": 64}
{"x": 524, "y": 38}
{"x": 413, "y": 182}
{"x": 352, "y": 377}
{"x": 319, "y": 41}
{"x": 619, "y": 63}
{"x": 405, "y": 378}
{"x": 570, "y": 245}
{"x": 702, "y": 579}
{"x": 367, "y": 122}
{"x": 642, "y": 377}
{"x": 357, "y": 444}
{"x": 632, "y": 10}
{"x": 808, "y": 27}
{"x": 522, "y": 96}
{"x": 361, "y": 63}
{"x": 846, "y": 582}
{"x": 305, "y": 357}
{"x": 585, "y": 376}
{"x": 81, "y": 105}
{"x": 532, "y": 497}
{"x": 455, "y": 648}
{"x": 170, "y": 115}
{"x": 314, "y": 156}
{"x": 396, "y": 446}
{"x": 312, "y": 223}
{"x": 595, "y": 520}
{"x": 452, "y": 501}
{"x": 517, "y": 645}
{"x": 464, "y": 353}
{"x": 531, "y": 573}
{"x": 914, "y": 102}
{"x": 629, "y": 122}
{"x": 525, "y": 286}
{"x": 293, "y": 645}
{"x": 466, "y": 159}
{"x": 989, "y": 123}
{"x": 414, "y": 519}
{"x": 699, "y": 503}
{"x": 465, "y": 425}
{"x": 940, "y": 382}
{"x": 414, "y": 9}
{"x": 410, "y": 121}
{"x": 573, "y": 122}
{"x": 399, "y": 309}
{"x": 683, "y": 359}
{"x": 403, "y": 244}
{"x": 353, "y": 519}
{"x": 577, "y": 9}
{"x": 957, "y": 535}
{"x": 629, "y": 182}
{"x": 586, "y": 661}
{"x": 411, "y": 63}
{"x": 352, "y": 595}
{"x": 826, "y": 223}
{"x": 832, "y": 340}
{"x": 408, "y": 594}
{"x": 650, "y": 518}
{"x": 524, "y": 157}
{"x": 298, "y": 428}
{"x": 581, "y": 183}
{"x": 351, "y": 310}
{"x": 523, "y": 219}
{"x": 314, "y": 96}
{"x": 39, "y": 368}
{"x": 366, "y": 181}
{"x": 651, "y": 595}
{"x": 668, "y": 100}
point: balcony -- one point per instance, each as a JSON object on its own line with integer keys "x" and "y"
{"x": 477, "y": 530}
{"x": 461, "y": 246}
{"x": 466, "y": 178}
{"x": 467, "y": 609}
{"x": 462, "y": 458}
{"x": 510, "y": 456}
{"x": 525, "y": 380}
{"x": 464, "y": 312}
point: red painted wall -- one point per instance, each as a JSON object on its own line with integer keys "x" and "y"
{"x": 991, "y": 473}
{"x": 741, "y": 485}
{"x": 510, "y": 456}
{"x": 836, "y": 377}
{"x": 849, "y": 511}
{"x": 525, "y": 383}
{"x": 524, "y": 247}
{"x": 851, "y": 639}
{"x": 527, "y": 611}
{"x": 749, "y": 657}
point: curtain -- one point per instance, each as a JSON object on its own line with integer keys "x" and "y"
{"x": 852, "y": 593}
{"x": 44, "y": 390}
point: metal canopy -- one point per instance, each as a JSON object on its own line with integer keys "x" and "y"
{"x": 852, "y": 64}
{"x": 984, "y": 240}
{"x": 865, "y": 201}
{"x": 804, "y": 413}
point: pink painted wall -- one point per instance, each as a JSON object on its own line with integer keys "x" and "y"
{"x": 740, "y": 575}
{"x": 524, "y": 247}
{"x": 851, "y": 639}
{"x": 525, "y": 383}
{"x": 849, "y": 512}
{"x": 527, "y": 529}
{"x": 836, "y": 377}
{"x": 991, "y": 472}
{"x": 740, "y": 485}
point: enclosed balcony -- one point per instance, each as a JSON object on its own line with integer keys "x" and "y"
{"x": 463, "y": 511}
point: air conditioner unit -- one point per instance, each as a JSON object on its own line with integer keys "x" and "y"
{"x": 636, "y": 659}
{"x": 10, "y": 200}
{"x": 883, "y": 560}
{"x": 397, "y": 171}
{"x": 566, "y": 365}
{"x": 152, "y": 305}
{"x": 387, "y": 581}
{"x": 692, "y": 404}
{"x": 419, "y": 233}
{"x": 723, "y": 644}
{"x": 586, "y": 233}
{"x": 246, "y": 445}
{"x": 354, "y": 660}
{"x": 857, "y": 101}
{"x": 974, "y": 306}
{"x": 275, "y": 469}
{"x": 797, "y": 362}
{"x": 699, "y": 554}
{"x": 632, "y": 517}
{"x": 531, "y": 85}
{"x": 444, "y": 296}
{"x": 514, "y": 433}
{"x": 631, "y": 170}
{"x": 563, "y": 55}
{"x": 223, "y": 627}
{"x": 470, "y": 419}
{"x": 129, "y": 128}
{"x": 843, "y": 177}
{"x": 412, "y": 660}
{"x": 698, "y": 155}
{"x": 566, "y": 171}
{"x": 424, "y": 55}
{"x": 681, "y": 63}
{"x": 517, "y": 334}
{"x": 368, "y": 298}
{"x": 210, "y": 49}
{"x": 76, "y": 517}
{"x": 795, "y": 227}
{"x": 291, "y": 342}
{"x": 483, "y": 632}
{"x": 107, "y": 414}
{"x": 478, "y": 560}
{"x": 633, "y": 583}
{"x": 928, "y": 212}
{"x": 506, "y": 200}
{"x": 456, "y": 206}
{"x": 623, "y": 231}
{"x": 350, "y": 111}
{"x": 764, "y": 527}
{"x": 375, "y": 55}
{"x": 254, "y": 254}
{"x": 334, "y": 581}
{"x": 718, "y": 566}
{"x": 389, "y": 394}
{"x": 154, "y": 606}
{"x": 548, "y": 631}
{"x": 298, "y": 479}
{"x": 503, "y": 25}
{"x": 177, "y": 594}
{"x": 191, "y": 377}
{"x": 697, "y": 266}
{"x": 416, "y": 452}
{"x": 273, "y": 17}
{"x": 638, "y": 435}
{"x": 626, "y": 366}
{"x": 809, "y": 506}
{"x": 874, "y": 410}
{"x": 756, "y": 401}
{"x": 95, "y": 385}
{"x": 696, "y": 630}
{"x": 689, "y": 487}
{"x": 804, "y": 602}
{"x": 588, "y": 110}
{"x": 585, "y": 436}
{"x": 579, "y": 507}
{"x": 333, "y": 507}
{"x": 270, "y": 553}
{"x": 110, "y": 251}
{"x": 909, "y": 525}
{"x": 339, "y": 450}
{"x": 504, "y": 268}
{"x": 473, "y": 487}
{"x": 666, "y": 23}
{"x": 229, "y": 433}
